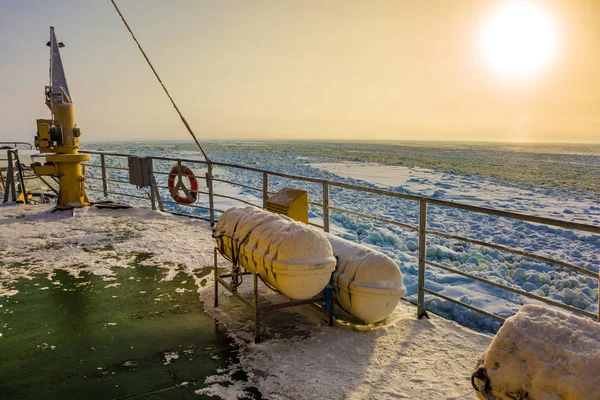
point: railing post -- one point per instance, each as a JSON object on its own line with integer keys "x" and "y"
{"x": 216, "y": 271}
{"x": 10, "y": 178}
{"x": 211, "y": 199}
{"x": 154, "y": 192}
{"x": 265, "y": 193}
{"x": 422, "y": 254}
{"x": 20, "y": 175}
{"x": 150, "y": 166}
{"x": 325, "y": 206}
{"x": 103, "y": 165}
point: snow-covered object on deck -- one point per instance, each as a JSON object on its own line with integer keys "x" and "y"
{"x": 541, "y": 353}
{"x": 368, "y": 284}
{"x": 288, "y": 255}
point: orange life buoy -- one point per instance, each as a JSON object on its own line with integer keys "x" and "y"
{"x": 189, "y": 195}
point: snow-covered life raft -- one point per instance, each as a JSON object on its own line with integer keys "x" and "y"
{"x": 288, "y": 255}
{"x": 298, "y": 261}
{"x": 541, "y": 353}
{"x": 368, "y": 284}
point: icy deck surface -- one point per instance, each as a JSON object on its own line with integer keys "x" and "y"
{"x": 301, "y": 357}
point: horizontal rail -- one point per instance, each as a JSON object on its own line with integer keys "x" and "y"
{"x": 190, "y": 190}
{"x": 516, "y": 251}
{"x": 389, "y": 221}
{"x": 430, "y": 200}
{"x": 484, "y": 210}
{"x": 128, "y": 195}
{"x": 214, "y": 194}
{"x": 511, "y": 289}
{"x": 460, "y": 303}
{"x": 106, "y": 153}
{"x": 107, "y": 179}
{"x": 168, "y": 173}
{"x": 118, "y": 193}
{"x": 522, "y": 217}
{"x": 106, "y": 167}
{"x": 237, "y": 184}
{"x": 315, "y": 225}
{"x": 187, "y": 160}
{"x": 236, "y": 199}
{"x": 29, "y": 145}
{"x": 190, "y": 205}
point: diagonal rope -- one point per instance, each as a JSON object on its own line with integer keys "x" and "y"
{"x": 162, "y": 84}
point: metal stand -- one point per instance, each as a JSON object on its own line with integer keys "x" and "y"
{"x": 325, "y": 299}
{"x": 14, "y": 168}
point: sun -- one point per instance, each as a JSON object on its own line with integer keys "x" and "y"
{"x": 519, "y": 39}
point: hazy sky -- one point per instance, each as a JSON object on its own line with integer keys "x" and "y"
{"x": 304, "y": 69}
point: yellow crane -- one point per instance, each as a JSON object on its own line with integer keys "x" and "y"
{"x": 59, "y": 137}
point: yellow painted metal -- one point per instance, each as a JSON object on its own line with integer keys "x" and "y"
{"x": 46, "y": 170}
{"x": 67, "y": 158}
{"x": 64, "y": 161}
{"x": 42, "y": 140}
{"x": 291, "y": 202}
{"x": 59, "y": 138}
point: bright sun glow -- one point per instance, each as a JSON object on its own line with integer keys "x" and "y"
{"x": 519, "y": 39}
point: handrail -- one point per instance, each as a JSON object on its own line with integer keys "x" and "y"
{"x": 511, "y": 289}
{"x": 363, "y": 215}
{"x": 430, "y": 200}
{"x": 516, "y": 251}
{"x": 421, "y": 227}
{"x": 29, "y": 145}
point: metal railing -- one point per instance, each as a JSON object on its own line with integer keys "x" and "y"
{"x": 17, "y": 179}
{"x": 26, "y": 145}
{"x": 421, "y": 228}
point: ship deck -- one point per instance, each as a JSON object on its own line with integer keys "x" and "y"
{"x": 117, "y": 304}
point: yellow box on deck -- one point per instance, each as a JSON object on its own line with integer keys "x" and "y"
{"x": 290, "y": 202}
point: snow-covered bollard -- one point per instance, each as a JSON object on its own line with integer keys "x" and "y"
{"x": 541, "y": 353}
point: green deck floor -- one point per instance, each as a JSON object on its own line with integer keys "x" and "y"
{"x": 82, "y": 340}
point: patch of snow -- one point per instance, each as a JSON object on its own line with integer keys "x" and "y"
{"x": 393, "y": 359}
{"x": 67, "y": 240}
{"x": 170, "y": 356}
{"x": 130, "y": 364}
{"x": 232, "y": 391}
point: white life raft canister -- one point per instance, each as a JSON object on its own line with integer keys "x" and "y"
{"x": 368, "y": 284}
{"x": 290, "y": 256}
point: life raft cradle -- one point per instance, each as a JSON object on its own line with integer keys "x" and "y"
{"x": 324, "y": 302}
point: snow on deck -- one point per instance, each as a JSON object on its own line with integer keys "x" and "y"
{"x": 301, "y": 357}
{"x": 33, "y": 240}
